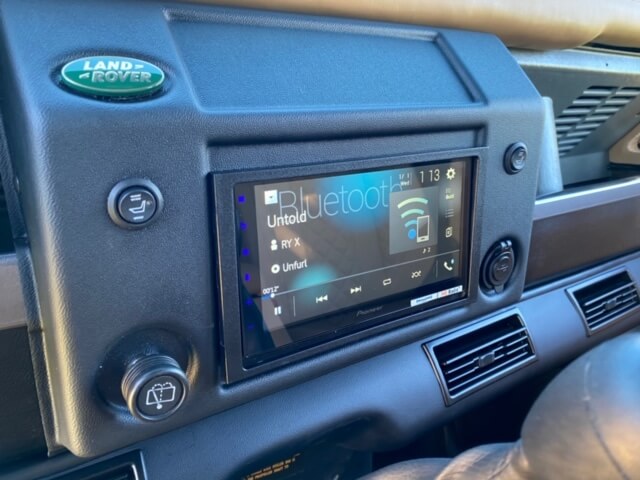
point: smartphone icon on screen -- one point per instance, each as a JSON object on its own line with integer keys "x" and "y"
{"x": 423, "y": 228}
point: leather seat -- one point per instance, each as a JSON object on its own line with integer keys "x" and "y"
{"x": 585, "y": 425}
{"x": 425, "y": 468}
{"x": 485, "y": 462}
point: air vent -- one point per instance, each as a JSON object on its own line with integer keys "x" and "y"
{"x": 587, "y": 112}
{"x": 122, "y": 473}
{"x": 471, "y": 358}
{"x": 6, "y": 239}
{"x": 125, "y": 467}
{"x": 604, "y": 300}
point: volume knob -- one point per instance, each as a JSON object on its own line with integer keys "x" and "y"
{"x": 154, "y": 387}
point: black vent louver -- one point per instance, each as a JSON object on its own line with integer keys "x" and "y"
{"x": 125, "y": 467}
{"x": 587, "y": 112}
{"x": 6, "y": 239}
{"x": 123, "y": 472}
{"x": 605, "y": 300}
{"x": 469, "y": 359}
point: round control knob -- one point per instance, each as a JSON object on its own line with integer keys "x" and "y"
{"x": 498, "y": 266}
{"x": 134, "y": 203}
{"x": 154, "y": 387}
{"x": 501, "y": 268}
{"x": 515, "y": 158}
{"x": 137, "y": 205}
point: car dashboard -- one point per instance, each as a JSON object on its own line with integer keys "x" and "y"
{"x": 241, "y": 240}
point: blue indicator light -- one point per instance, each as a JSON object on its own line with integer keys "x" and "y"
{"x": 251, "y": 326}
{"x": 243, "y": 226}
{"x": 248, "y": 302}
{"x": 245, "y": 252}
{"x": 247, "y": 277}
{"x": 242, "y": 199}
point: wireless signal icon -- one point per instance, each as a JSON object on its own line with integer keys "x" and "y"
{"x": 416, "y": 222}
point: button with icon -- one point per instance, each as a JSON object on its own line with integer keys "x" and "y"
{"x": 449, "y": 194}
{"x": 134, "y": 203}
{"x": 448, "y": 266}
{"x": 451, "y": 173}
{"x": 270, "y": 197}
{"x": 322, "y": 298}
{"x": 154, "y": 387}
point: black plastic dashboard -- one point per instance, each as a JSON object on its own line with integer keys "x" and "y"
{"x": 254, "y": 103}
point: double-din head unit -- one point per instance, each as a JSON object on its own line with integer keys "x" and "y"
{"x": 320, "y": 256}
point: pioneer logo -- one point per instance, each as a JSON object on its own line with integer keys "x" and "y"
{"x": 369, "y": 311}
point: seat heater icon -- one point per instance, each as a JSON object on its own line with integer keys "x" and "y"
{"x": 140, "y": 209}
{"x": 160, "y": 394}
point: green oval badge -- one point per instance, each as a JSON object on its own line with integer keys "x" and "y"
{"x": 107, "y": 76}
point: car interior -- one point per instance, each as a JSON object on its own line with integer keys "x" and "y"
{"x": 331, "y": 239}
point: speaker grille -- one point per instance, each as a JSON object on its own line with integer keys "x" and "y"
{"x": 588, "y": 112}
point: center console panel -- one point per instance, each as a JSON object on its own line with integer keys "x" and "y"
{"x": 377, "y": 147}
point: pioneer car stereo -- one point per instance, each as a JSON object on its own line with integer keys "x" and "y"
{"x": 320, "y": 256}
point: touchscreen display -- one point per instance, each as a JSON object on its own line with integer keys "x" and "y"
{"x": 322, "y": 256}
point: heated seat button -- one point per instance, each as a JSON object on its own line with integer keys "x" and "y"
{"x": 515, "y": 158}
{"x": 137, "y": 205}
{"x": 134, "y": 203}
